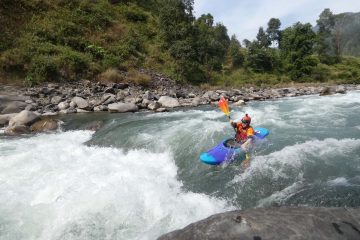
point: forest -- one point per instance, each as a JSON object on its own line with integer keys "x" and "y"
{"x": 69, "y": 40}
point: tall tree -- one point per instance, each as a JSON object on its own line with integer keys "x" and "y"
{"x": 246, "y": 43}
{"x": 235, "y": 56}
{"x": 262, "y": 38}
{"x": 273, "y": 31}
{"x": 326, "y": 42}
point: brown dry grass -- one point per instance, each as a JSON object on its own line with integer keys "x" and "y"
{"x": 139, "y": 78}
{"x": 111, "y": 75}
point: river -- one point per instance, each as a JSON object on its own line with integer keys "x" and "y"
{"x": 139, "y": 176}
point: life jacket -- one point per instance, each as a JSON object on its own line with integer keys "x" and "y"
{"x": 242, "y": 134}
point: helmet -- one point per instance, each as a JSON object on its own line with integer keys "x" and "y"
{"x": 246, "y": 119}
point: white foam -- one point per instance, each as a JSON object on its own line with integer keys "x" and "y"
{"x": 288, "y": 163}
{"x": 340, "y": 181}
{"x": 57, "y": 184}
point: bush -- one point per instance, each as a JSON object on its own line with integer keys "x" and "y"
{"x": 73, "y": 64}
{"x": 43, "y": 68}
{"x": 111, "y": 75}
{"x": 321, "y": 73}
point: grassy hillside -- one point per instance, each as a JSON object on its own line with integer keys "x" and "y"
{"x": 68, "y": 40}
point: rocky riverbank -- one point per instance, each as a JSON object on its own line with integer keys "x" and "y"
{"x": 162, "y": 94}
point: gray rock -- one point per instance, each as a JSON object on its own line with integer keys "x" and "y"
{"x": 24, "y": 118}
{"x": 100, "y": 108}
{"x": 148, "y": 96}
{"x": 56, "y": 99}
{"x": 239, "y": 103}
{"x": 79, "y": 110}
{"x": 153, "y": 106}
{"x": 196, "y": 101}
{"x": 169, "y": 102}
{"x": 108, "y": 98}
{"x": 5, "y": 118}
{"x": 80, "y": 102}
{"x": 63, "y": 105}
{"x": 211, "y": 95}
{"x": 120, "y": 96}
{"x": 274, "y": 223}
{"x": 13, "y": 107}
{"x": 161, "y": 110}
{"x": 122, "y": 107}
{"x": 17, "y": 129}
{"x": 340, "y": 89}
{"x": 326, "y": 91}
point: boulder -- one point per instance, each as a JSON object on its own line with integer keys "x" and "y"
{"x": 108, "y": 98}
{"x": 153, "y": 106}
{"x": 169, "y": 102}
{"x": 17, "y": 129}
{"x": 80, "y": 102}
{"x": 122, "y": 107}
{"x": 196, "y": 101}
{"x": 44, "y": 125}
{"x": 148, "y": 96}
{"x": 340, "y": 89}
{"x": 5, "y": 118}
{"x": 326, "y": 91}
{"x": 24, "y": 118}
{"x": 13, "y": 107}
{"x": 56, "y": 100}
{"x": 211, "y": 95}
{"x": 63, "y": 105}
{"x": 100, "y": 108}
{"x": 239, "y": 103}
{"x": 275, "y": 223}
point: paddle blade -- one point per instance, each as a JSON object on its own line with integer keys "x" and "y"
{"x": 224, "y": 106}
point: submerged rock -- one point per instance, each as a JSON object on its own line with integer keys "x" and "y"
{"x": 274, "y": 223}
{"x": 44, "y": 125}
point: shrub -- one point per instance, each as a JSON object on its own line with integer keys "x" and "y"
{"x": 43, "y": 68}
{"x": 73, "y": 64}
{"x": 111, "y": 75}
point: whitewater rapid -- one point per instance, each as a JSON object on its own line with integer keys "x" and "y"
{"x": 139, "y": 175}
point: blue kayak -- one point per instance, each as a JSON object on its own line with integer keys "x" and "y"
{"x": 228, "y": 150}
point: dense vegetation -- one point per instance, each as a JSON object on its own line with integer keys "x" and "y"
{"x": 67, "y": 40}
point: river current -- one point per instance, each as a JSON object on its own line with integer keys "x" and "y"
{"x": 139, "y": 176}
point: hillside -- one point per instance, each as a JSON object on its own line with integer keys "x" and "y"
{"x": 100, "y": 40}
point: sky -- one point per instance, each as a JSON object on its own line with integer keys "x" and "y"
{"x": 244, "y": 17}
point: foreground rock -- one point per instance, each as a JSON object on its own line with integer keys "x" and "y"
{"x": 25, "y": 118}
{"x": 274, "y": 223}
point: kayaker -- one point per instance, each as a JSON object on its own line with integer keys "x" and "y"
{"x": 244, "y": 135}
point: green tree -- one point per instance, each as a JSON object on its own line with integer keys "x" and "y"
{"x": 234, "y": 54}
{"x": 297, "y": 46}
{"x": 326, "y": 42}
{"x": 261, "y": 59}
{"x": 273, "y": 31}
{"x": 262, "y": 38}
